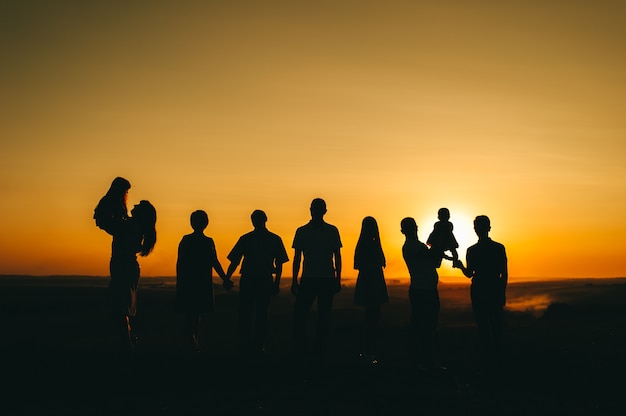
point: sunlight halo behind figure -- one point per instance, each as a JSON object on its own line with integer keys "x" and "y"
{"x": 463, "y": 231}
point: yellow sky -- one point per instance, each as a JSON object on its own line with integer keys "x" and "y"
{"x": 384, "y": 108}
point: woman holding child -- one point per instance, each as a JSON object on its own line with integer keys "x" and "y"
{"x": 132, "y": 235}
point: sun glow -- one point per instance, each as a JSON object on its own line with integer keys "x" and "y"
{"x": 463, "y": 229}
{"x": 463, "y": 232}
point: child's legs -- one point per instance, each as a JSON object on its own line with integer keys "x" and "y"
{"x": 454, "y": 255}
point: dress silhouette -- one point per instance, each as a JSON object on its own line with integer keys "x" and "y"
{"x": 370, "y": 290}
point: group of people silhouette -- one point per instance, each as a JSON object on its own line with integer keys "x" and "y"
{"x": 316, "y": 275}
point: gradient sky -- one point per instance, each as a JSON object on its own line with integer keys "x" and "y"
{"x": 513, "y": 109}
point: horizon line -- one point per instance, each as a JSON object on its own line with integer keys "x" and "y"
{"x": 460, "y": 278}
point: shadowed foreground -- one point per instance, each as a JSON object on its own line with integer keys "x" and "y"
{"x": 58, "y": 356}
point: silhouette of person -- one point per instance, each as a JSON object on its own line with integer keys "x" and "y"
{"x": 487, "y": 267}
{"x": 423, "y": 297}
{"x": 370, "y": 290}
{"x": 263, "y": 254}
{"x": 111, "y": 210}
{"x": 320, "y": 244}
{"x": 197, "y": 257}
{"x": 136, "y": 234}
{"x": 441, "y": 239}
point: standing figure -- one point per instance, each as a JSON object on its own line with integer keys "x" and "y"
{"x": 370, "y": 290}
{"x": 136, "y": 234}
{"x": 111, "y": 211}
{"x": 441, "y": 239}
{"x": 487, "y": 267}
{"x": 423, "y": 297}
{"x": 197, "y": 258}
{"x": 263, "y": 254}
{"x": 320, "y": 244}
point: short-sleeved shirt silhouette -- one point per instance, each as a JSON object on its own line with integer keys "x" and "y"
{"x": 318, "y": 242}
{"x": 194, "y": 286}
{"x": 487, "y": 259}
{"x": 260, "y": 250}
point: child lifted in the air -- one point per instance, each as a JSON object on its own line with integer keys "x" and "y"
{"x": 441, "y": 239}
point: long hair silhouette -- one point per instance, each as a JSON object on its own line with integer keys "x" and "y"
{"x": 111, "y": 208}
{"x": 145, "y": 215}
{"x": 368, "y": 247}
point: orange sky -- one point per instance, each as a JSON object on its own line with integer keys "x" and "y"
{"x": 383, "y": 108}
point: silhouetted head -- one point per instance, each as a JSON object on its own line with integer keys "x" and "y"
{"x": 369, "y": 229}
{"x": 199, "y": 220}
{"x": 482, "y": 225}
{"x": 443, "y": 214}
{"x": 119, "y": 190}
{"x": 119, "y": 186}
{"x": 144, "y": 211}
{"x": 408, "y": 227}
{"x": 145, "y": 215}
{"x": 318, "y": 208}
{"x": 258, "y": 218}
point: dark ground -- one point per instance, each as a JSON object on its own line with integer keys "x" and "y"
{"x": 58, "y": 356}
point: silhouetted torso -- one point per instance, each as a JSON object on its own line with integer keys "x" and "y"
{"x": 196, "y": 259}
{"x": 110, "y": 215}
{"x": 259, "y": 249}
{"x": 370, "y": 286}
{"x": 124, "y": 268}
{"x": 126, "y": 240}
{"x": 419, "y": 261}
{"x": 442, "y": 238}
{"x": 487, "y": 259}
{"x": 318, "y": 242}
